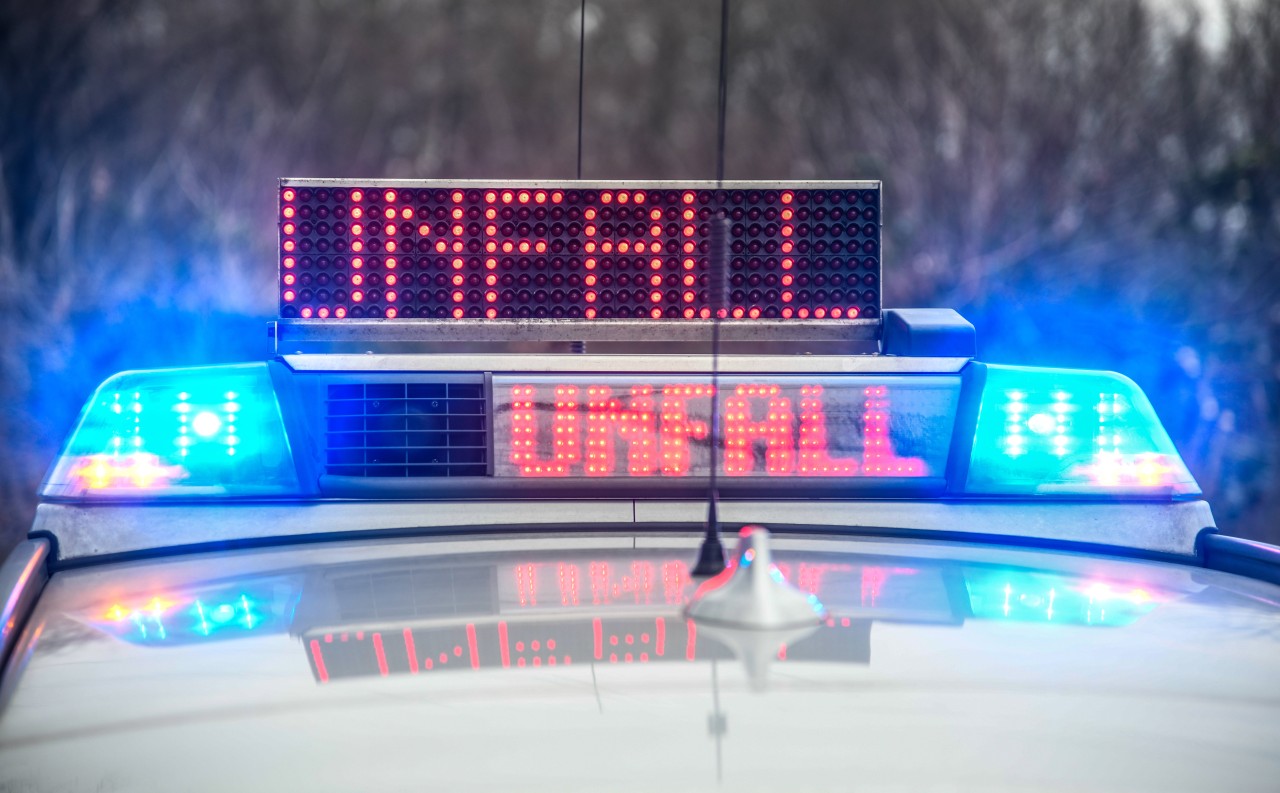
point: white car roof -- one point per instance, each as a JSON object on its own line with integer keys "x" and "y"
{"x": 944, "y": 666}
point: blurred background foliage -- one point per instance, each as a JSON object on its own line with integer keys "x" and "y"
{"x": 1093, "y": 183}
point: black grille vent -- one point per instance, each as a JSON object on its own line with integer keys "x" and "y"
{"x": 406, "y": 429}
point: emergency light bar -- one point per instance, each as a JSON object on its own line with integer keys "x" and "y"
{"x": 993, "y": 431}
{"x": 495, "y": 250}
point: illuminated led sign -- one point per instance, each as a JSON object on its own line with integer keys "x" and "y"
{"x": 571, "y": 250}
{"x": 628, "y": 427}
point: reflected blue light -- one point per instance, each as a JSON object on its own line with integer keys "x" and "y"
{"x": 1022, "y": 596}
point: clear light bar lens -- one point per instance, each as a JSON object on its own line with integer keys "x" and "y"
{"x": 1059, "y": 431}
{"x": 179, "y": 432}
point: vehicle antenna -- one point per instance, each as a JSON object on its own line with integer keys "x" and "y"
{"x": 711, "y": 555}
{"x": 579, "y": 347}
{"x": 582, "y": 51}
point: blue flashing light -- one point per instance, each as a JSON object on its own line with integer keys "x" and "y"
{"x": 209, "y": 431}
{"x": 1062, "y": 431}
{"x": 1022, "y": 596}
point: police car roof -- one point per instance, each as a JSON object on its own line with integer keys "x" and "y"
{"x": 554, "y": 663}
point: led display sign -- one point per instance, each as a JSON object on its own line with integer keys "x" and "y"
{"x": 437, "y": 250}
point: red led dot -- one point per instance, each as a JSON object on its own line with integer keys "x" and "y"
{"x": 391, "y": 263}
{"x": 655, "y": 280}
{"x": 638, "y": 197}
{"x": 803, "y": 313}
{"x": 391, "y": 296}
{"x": 457, "y": 230}
{"x": 557, "y": 197}
{"x": 391, "y": 245}
{"x": 288, "y": 194}
{"x": 853, "y": 312}
{"x": 288, "y": 228}
{"x": 787, "y": 264}
{"x": 289, "y": 279}
{"x": 688, "y": 313}
{"x": 490, "y": 197}
{"x": 655, "y": 296}
{"x": 459, "y": 279}
{"x": 390, "y": 195}
{"x": 524, "y": 246}
{"x": 423, "y": 230}
{"x": 357, "y": 279}
{"x": 357, "y": 296}
{"x": 787, "y": 312}
{"x": 289, "y": 262}
{"x": 705, "y": 313}
{"x": 689, "y": 230}
{"x": 787, "y": 297}
{"x": 606, "y": 197}
{"x": 356, "y": 228}
{"x": 589, "y": 213}
{"x": 737, "y": 312}
{"x": 323, "y": 313}
{"x": 491, "y": 296}
{"x": 656, "y": 313}
{"x": 507, "y": 196}
{"x": 491, "y": 312}
{"x": 289, "y": 295}
{"x": 689, "y": 279}
{"x": 689, "y": 197}
{"x": 590, "y": 279}
{"x": 591, "y": 313}
{"x": 590, "y": 297}
{"x": 836, "y": 312}
{"x": 786, "y": 197}
{"x": 689, "y": 297}
{"x": 406, "y": 213}
{"x": 357, "y": 195}
{"x": 457, "y": 263}
{"x": 590, "y": 264}
{"x": 623, "y": 197}
{"x": 389, "y": 229}
{"x": 289, "y": 212}
{"x": 306, "y": 313}
{"x": 389, "y": 213}
{"x": 288, "y": 245}
{"x": 357, "y": 262}
{"x": 457, "y": 196}
{"x": 788, "y": 246}
{"x": 357, "y": 212}
{"x": 689, "y": 214}
{"x": 457, "y": 296}
{"x": 458, "y": 312}
{"x": 523, "y": 196}
{"x": 340, "y": 312}
{"x": 540, "y": 247}
{"x": 819, "y": 313}
{"x": 441, "y": 247}
{"x": 688, "y": 264}
{"x": 754, "y": 313}
{"x": 391, "y": 313}
{"x": 540, "y": 197}
{"x": 655, "y": 263}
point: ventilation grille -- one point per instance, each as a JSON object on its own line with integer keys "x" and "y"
{"x": 406, "y": 430}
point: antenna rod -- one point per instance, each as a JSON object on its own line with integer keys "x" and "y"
{"x": 582, "y": 50}
{"x": 711, "y": 554}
